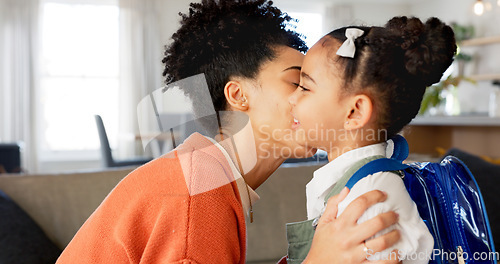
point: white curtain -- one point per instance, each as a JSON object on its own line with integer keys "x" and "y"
{"x": 141, "y": 69}
{"x": 18, "y": 50}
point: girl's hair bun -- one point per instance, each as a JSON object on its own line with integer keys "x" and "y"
{"x": 428, "y": 48}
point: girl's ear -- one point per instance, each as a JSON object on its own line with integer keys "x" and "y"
{"x": 360, "y": 112}
{"x": 235, "y": 96}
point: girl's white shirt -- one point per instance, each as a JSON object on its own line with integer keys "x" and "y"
{"x": 416, "y": 243}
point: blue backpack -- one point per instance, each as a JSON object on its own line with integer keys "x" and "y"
{"x": 448, "y": 200}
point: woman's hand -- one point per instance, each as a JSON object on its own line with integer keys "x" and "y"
{"x": 341, "y": 240}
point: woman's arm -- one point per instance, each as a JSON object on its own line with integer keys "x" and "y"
{"x": 341, "y": 239}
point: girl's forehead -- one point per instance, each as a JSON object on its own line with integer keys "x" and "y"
{"x": 326, "y": 44}
{"x": 329, "y": 41}
{"x": 319, "y": 56}
{"x": 322, "y": 63}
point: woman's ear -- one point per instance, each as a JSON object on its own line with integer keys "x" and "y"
{"x": 235, "y": 96}
{"x": 361, "y": 111}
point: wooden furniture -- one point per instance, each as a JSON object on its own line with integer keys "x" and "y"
{"x": 479, "y": 135}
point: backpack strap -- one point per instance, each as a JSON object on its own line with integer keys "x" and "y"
{"x": 401, "y": 148}
{"x": 375, "y": 166}
{"x": 395, "y": 163}
{"x": 337, "y": 188}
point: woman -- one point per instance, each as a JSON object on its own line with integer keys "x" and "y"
{"x": 192, "y": 204}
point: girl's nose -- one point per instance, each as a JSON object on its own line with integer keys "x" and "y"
{"x": 292, "y": 99}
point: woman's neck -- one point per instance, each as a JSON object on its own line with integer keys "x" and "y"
{"x": 254, "y": 163}
{"x": 262, "y": 171}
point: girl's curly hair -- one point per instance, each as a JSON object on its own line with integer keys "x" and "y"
{"x": 225, "y": 39}
{"x": 395, "y": 63}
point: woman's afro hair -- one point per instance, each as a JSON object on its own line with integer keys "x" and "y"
{"x": 225, "y": 39}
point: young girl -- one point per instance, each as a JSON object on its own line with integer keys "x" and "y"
{"x": 360, "y": 86}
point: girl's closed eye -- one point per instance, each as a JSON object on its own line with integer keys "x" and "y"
{"x": 303, "y": 89}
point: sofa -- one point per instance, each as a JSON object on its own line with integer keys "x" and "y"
{"x": 60, "y": 204}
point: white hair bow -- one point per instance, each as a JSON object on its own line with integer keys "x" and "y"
{"x": 348, "y": 48}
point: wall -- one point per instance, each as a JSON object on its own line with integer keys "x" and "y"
{"x": 377, "y": 14}
{"x": 486, "y": 58}
{"x": 340, "y": 13}
{"x": 461, "y": 12}
{"x": 170, "y": 17}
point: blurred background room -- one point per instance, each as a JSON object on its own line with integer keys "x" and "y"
{"x": 73, "y": 74}
{"x": 65, "y": 61}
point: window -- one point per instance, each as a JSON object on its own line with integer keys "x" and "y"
{"x": 79, "y": 76}
{"x": 309, "y": 25}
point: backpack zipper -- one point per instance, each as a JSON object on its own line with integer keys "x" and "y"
{"x": 451, "y": 218}
{"x": 460, "y": 255}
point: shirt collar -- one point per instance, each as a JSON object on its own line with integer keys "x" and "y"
{"x": 325, "y": 177}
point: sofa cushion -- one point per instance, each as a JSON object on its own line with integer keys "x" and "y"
{"x": 21, "y": 239}
{"x": 60, "y": 203}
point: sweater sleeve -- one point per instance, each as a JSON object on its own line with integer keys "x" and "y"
{"x": 217, "y": 232}
{"x": 152, "y": 217}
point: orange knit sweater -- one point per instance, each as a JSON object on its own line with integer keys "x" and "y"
{"x": 181, "y": 208}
